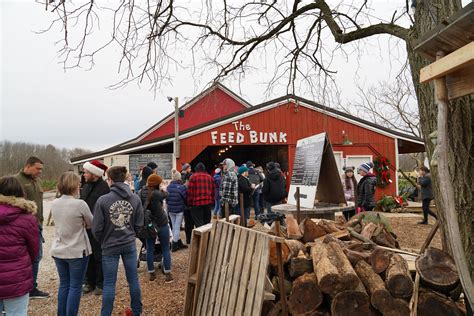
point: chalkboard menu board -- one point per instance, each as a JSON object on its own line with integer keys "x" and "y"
{"x": 164, "y": 162}
{"x": 306, "y": 169}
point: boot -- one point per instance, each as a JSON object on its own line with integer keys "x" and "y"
{"x": 152, "y": 276}
{"x": 168, "y": 278}
{"x": 174, "y": 246}
{"x": 181, "y": 245}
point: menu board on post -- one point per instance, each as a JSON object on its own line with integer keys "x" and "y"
{"x": 306, "y": 169}
{"x": 164, "y": 162}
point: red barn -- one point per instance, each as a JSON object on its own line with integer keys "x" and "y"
{"x": 219, "y": 124}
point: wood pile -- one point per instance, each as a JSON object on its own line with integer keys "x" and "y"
{"x": 356, "y": 268}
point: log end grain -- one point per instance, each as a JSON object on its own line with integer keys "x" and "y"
{"x": 352, "y": 303}
{"x": 305, "y": 296}
{"x": 434, "y": 304}
{"x": 437, "y": 270}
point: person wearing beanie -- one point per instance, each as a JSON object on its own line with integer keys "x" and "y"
{"x": 152, "y": 198}
{"x": 186, "y": 173}
{"x": 229, "y": 190}
{"x": 201, "y": 190}
{"x": 273, "y": 187}
{"x": 217, "y": 183}
{"x": 349, "y": 185}
{"x": 426, "y": 191}
{"x": 118, "y": 216}
{"x": 255, "y": 178}
{"x": 146, "y": 172}
{"x": 365, "y": 193}
{"x": 176, "y": 201}
{"x": 91, "y": 191}
{"x": 152, "y": 165}
{"x": 245, "y": 188}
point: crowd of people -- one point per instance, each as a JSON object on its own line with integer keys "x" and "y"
{"x": 97, "y": 221}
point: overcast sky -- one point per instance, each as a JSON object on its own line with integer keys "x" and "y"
{"x": 40, "y": 103}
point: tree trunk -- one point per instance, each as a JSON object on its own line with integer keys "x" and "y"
{"x": 437, "y": 270}
{"x": 305, "y": 295}
{"x": 333, "y": 270}
{"x": 434, "y": 304}
{"x": 460, "y": 129}
{"x": 379, "y": 260}
{"x": 398, "y": 279}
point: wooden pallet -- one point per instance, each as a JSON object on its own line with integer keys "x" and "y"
{"x": 234, "y": 274}
{"x": 197, "y": 259}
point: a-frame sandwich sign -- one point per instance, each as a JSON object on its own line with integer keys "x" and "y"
{"x": 315, "y": 172}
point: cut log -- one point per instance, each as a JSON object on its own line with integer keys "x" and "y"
{"x": 285, "y": 250}
{"x": 356, "y": 256}
{"x": 333, "y": 270}
{"x": 292, "y": 228}
{"x": 437, "y": 270}
{"x": 340, "y": 235}
{"x": 305, "y": 295}
{"x": 311, "y": 230}
{"x": 434, "y": 304}
{"x": 267, "y": 307}
{"x": 358, "y": 246}
{"x": 379, "y": 260}
{"x": 276, "y": 285}
{"x": 386, "y": 239}
{"x": 369, "y": 230}
{"x": 300, "y": 265}
{"x": 295, "y": 246}
{"x": 399, "y": 307}
{"x": 398, "y": 279}
{"x": 379, "y": 296}
{"x": 328, "y": 226}
{"x": 355, "y": 302}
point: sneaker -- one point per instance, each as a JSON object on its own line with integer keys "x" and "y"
{"x": 423, "y": 222}
{"x": 152, "y": 276}
{"x": 35, "y": 293}
{"x": 98, "y": 291}
{"x": 87, "y": 288}
{"x": 168, "y": 278}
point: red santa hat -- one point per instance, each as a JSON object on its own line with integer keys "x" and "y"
{"x": 95, "y": 167}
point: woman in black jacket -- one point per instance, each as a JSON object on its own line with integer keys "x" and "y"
{"x": 245, "y": 187}
{"x": 366, "y": 188}
{"x": 152, "y": 199}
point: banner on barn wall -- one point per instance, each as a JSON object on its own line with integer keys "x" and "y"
{"x": 315, "y": 173}
{"x": 245, "y": 134}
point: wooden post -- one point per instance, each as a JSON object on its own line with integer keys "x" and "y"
{"x": 226, "y": 211}
{"x": 243, "y": 222}
{"x": 281, "y": 274}
{"x": 447, "y": 192}
{"x": 298, "y": 205}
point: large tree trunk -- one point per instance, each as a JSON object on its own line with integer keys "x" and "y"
{"x": 460, "y": 128}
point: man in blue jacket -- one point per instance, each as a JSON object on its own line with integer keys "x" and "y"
{"x": 117, "y": 217}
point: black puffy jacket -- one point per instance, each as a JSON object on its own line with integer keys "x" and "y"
{"x": 160, "y": 217}
{"x": 274, "y": 187}
{"x": 366, "y": 191}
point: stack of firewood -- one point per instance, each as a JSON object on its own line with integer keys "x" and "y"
{"x": 353, "y": 268}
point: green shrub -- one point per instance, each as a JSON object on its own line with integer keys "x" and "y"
{"x": 49, "y": 185}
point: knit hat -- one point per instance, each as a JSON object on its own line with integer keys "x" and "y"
{"x": 95, "y": 167}
{"x": 347, "y": 169}
{"x": 242, "y": 169}
{"x": 270, "y": 166}
{"x": 152, "y": 165}
{"x": 175, "y": 175}
{"x": 153, "y": 180}
{"x": 185, "y": 166}
{"x": 366, "y": 166}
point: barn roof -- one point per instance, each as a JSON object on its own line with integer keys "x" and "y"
{"x": 130, "y": 147}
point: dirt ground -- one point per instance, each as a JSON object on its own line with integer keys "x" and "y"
{"x": 168, "y": 299}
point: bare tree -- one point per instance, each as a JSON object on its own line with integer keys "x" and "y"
{"x": 226, "y": 38}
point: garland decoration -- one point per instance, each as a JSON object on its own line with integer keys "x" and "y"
{"x": 381, "y": 169}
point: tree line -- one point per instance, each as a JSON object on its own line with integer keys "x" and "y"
{"x": 56, "y": 160}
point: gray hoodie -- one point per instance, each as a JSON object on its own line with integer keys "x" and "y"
{"x": 116, "y": 218}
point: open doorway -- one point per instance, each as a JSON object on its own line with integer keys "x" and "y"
{"x": 258, "y": 154}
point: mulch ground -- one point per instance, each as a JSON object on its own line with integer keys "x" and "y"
{"x": 168, "y": 299}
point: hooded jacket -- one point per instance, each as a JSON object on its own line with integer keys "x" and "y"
{"x": 229, "y": 185}
{"x": 366, "y": 191}
{"x": 117, "y": 215}
{"x": 19, "y": 245}
{"x": 159, "y": 217}
{"x": 177, "y": 197}
{"x": 274, "y": 187}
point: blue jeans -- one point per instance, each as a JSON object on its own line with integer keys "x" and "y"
{"x": 176, "y": 220}
{"x": 217, "y": 207}
{"x": 164, "y": 237}
{"x": 110, "y": 263}
{"x": 36, "y": 263}
{"x": 256, "y": 202}
{"x": 16, "y": 306}
{"x": 71, "y": 276}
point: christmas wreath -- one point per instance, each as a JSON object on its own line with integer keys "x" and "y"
{"x": 381, "y": 169}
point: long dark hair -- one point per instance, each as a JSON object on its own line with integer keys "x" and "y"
{"x": 348, "y": 182}
{"x": 11, "y": 186}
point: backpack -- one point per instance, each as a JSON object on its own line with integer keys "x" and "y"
{"x": 149, "y": 228}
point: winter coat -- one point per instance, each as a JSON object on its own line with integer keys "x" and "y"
{"x": 349, "y": 194}
{"x": 34, "y": 192}
{"x": 201, "y": 189}
{"x": 19, "y": 245}
{"x": 177, "y": 195}
{"x": 117, "y": 217}
{"x": 426, "y": 187}
{"x": 159, "y": 216}
{"x": 217, "y": 182}
{"x": 245, "y": 189}
{"x": 366, "y": 192}
{"x": 91, "y": 191}
{"x": 146, "y": 172}
{"x": 255, "y": 176}
{"x": 274, "y": 187}
{"x": 229, "y": 190}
